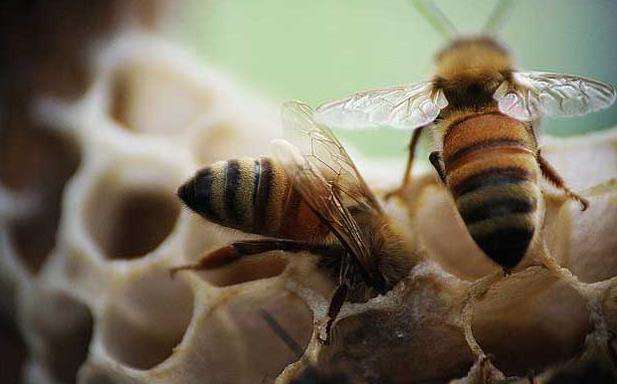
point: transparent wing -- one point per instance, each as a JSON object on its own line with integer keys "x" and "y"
{"x": 324, "y": 151}
{"x": 400, "y": 107}
{"x": 324, "y": 199}
{"x": 537, "y": 94}
{"x": 327, "y": 180}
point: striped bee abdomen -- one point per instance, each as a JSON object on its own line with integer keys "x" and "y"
{"x": 251, "y": 195}
{"x": 492, "y": 172}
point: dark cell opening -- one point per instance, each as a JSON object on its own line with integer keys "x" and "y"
{"x": 37, "y": 163}
{"x": 128, "y": 224}
{"x": 148, "y": 319}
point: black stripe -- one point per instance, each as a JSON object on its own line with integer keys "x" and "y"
{"x": 257, "y": 172}
{"x": 490, "y": 177}
{"x": 260, "y": 202}
{"x": 506, "y": 246}
{"x": 485, "y": 144}
{"x": 197, "y": 194}
{"x": 498, "y": 207}
{"x": 232, "y": 184}
{"x": 474, "y": 95}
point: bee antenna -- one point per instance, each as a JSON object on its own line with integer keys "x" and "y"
{"x": 497, "y": 17}
{"x": 281, "y": 333}
{"x": 435, "y": 17}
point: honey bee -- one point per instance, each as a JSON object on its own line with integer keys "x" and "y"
{"x": 484, "y": 116}
{"x": 313, "y": 201}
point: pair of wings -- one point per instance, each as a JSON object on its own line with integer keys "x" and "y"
{"x": 326, "y": 177}
{"x": 529, "y": 96}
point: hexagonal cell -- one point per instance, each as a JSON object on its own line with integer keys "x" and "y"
{"x": 530, "y": 321}
{"x": 132, "y": 209}
{"x": 147, "y": 318}
{"x": 585, "y": 241}
{"x": 139, "y": 87}
{"x": 62, "y": 327}
{"x": 265, "y": 349}
{"x": 597, "y": 151}
{"x": 38, "y": 163}
{"x": 233, "y": 343}
{"x": 409, "y": 334}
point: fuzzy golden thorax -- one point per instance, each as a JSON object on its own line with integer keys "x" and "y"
{"x": 472, "y": 59}
{"x": 391, "y": 255}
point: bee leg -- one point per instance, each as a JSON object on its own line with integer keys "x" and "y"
{"x": 336, "y": 303}
{"x": 552, "y": 176}
{"x": 413, "y": 143}
{"x": 230, "y": 253}
{"x": 473, "y": 294}
{"x": 436, "y": 161}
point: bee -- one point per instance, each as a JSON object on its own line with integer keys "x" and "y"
{"x": 483, "y": 114}
{"x": 312, "y": 201}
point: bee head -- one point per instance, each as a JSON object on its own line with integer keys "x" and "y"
{"x": 472, "y": 57}
{"x": 468, "y": 58}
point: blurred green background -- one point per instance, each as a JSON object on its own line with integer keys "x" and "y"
{"x": 324, "y": 49}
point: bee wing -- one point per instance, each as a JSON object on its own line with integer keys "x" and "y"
{"x": 537, "y": 94}
{"x": 324, "y": 199}
{"x": 327, "y": 179}
{"x": 324, "y": 151}
{"x": 405, "y": 107}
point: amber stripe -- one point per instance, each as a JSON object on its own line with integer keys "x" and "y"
{"x": 459, "y": 122}
{"x": 484, "y": 128}
{"x": 465, "y": 154}
{"x": 502, "y": 151}
{"x": 264, "y": 185}
{"x": 217, "y": 197}
{"x": 292, "y": 211}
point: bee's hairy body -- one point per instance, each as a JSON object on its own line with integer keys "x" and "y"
{"x": 257, "y": 196}
{"x": 489, "y": 158}
{"x": 492, "y": 173}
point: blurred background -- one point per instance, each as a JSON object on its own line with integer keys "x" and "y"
{"x": 313, "y": 51}
{"x": 320, "y": 50}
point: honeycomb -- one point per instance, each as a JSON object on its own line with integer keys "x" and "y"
{"x": 95, "y": 303}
